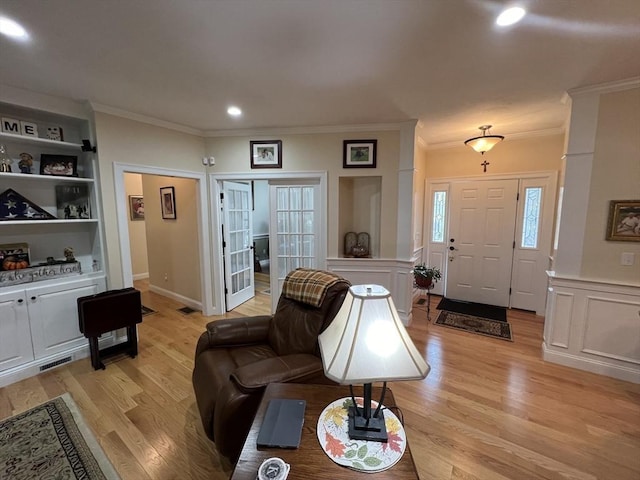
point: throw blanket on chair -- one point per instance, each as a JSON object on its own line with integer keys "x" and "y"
{"x": 309, "y": 286}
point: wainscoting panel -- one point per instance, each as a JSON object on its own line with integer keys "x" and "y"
{"x": 393, "y": 275}
{"x": 593, "y": 326}
{"x": 563, "y": 308}
{"x": 612, "y": 328}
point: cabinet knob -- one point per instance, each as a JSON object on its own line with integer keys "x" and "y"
{"x": 20, "y": 300}
{"x": 34, "y": 298}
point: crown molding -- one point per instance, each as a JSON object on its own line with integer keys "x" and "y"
{"x": 372, "y": 127}
{"x": 507, "y": 136}
{"x": 609, "y": 87}
{"x": 98, "y": 107}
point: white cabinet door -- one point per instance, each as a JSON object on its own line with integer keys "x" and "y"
{"x": 53, "y": 312}
{"x": 15, "y": 334}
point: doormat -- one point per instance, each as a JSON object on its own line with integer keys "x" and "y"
{"x": 474, "y": 309}
{"x": 473, "y": 324}
{"x": 147, "y": 311}
{"x": 186, "y": 310}
{"x": 52, "y": 441}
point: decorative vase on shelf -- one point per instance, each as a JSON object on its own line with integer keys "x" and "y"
{"x": 5, "y": 160}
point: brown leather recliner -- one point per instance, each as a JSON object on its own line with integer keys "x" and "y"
{"x": 237, "y": 358}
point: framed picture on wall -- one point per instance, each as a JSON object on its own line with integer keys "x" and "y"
{"x": 266, "y": 154}
{"x": 359, "y": 154}
{"x": 624, "y": 221}
{"x": 168, "y": 203}
{"x": 136, "y": 207}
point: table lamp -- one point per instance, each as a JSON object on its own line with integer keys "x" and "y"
{"x": 366, "y": 342}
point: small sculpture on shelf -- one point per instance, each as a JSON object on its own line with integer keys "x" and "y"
{"x": 5, "y": 160}
{"x": 356, "y": 244}
{"x": 68, "y": 255}
{"x": 25, "y": 163}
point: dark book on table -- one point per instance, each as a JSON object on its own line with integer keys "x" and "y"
{"x": 282, "y": 424}
{"x": 72, "y": 201}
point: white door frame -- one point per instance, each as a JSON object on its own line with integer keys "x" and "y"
{"x": 119, "y": 169}
{"x": 216, "y": 218}
{"x": 427, "y": 254}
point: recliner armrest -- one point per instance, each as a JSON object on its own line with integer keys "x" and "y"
{"x": 287, "y": 368}
{"x": 234, "y": 332}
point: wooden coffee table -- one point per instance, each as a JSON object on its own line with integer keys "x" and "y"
{"x": 309, "y": 461}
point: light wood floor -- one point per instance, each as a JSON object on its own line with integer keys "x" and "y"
{"x": 489, "y": 409}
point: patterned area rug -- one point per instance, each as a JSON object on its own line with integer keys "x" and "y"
{"x": 51, "y": 441}
{"x": 481, "y": 326}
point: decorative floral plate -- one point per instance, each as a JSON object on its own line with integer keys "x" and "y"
{"x": 333, "y": 435}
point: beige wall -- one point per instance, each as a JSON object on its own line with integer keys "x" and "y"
{"x": 533, "y": 154}
{"x": 419, "y": 177}
{"x": 323, "y": 152}
{"x": 130, "y": 142}
{"x": 137, "y": 232}
{"x": 174, "y": 260}
{"x": 615, "y": 176}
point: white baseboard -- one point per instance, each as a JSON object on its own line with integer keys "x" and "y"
{"x": 140, "y": 276}
{"x": 620, "y": 372}
{"x": 29, "y": 369}
{"x": 189, "y": 302}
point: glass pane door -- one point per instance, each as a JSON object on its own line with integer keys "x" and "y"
{"x": 238, "y": 243}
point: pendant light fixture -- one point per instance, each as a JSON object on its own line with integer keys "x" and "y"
{"x": 485, "y": 142}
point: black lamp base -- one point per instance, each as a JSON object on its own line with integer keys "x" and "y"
{"x": 373, "y": 429}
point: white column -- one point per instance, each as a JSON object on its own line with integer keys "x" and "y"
{"x": 579, "y": 161}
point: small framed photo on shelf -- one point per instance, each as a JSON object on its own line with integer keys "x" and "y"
{"x": 266, "y": 154}
{"x": 136, "y": 207}
{"x": 168, "y": 203}
{"x": 60, "y": 165}
{"x": 624, "y": 221}
{"x": 359, "y": 154}
{"x": 72, "y": 202}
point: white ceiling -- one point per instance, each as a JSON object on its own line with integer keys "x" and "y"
{"x": 325, "y": 62}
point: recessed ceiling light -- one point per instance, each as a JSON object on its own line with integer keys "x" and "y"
{"x": 510, "y": 16}
{"x": 234, "y": 111}
{"x": 12, "y": 29}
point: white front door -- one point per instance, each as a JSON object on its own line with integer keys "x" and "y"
{"x": 294, "y": 231}
{"x": 238, "y": 243}
{"x": 480, "y": 242}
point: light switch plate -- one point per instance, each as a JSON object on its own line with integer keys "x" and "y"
{"x": 627, "y": 258}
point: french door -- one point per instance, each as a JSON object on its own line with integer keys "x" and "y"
{"x": 294, "y": 234}
{"x": 238, "y": 243}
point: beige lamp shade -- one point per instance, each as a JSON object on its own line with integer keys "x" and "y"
{"x": 366, "y": 342}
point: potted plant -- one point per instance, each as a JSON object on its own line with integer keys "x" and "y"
{"x": 425, "y": 276}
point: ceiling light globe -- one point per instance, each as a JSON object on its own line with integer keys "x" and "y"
{"x": 12, "y": 29}
{"x": 510, "y": 16}
{"x": 234, "y": 111}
